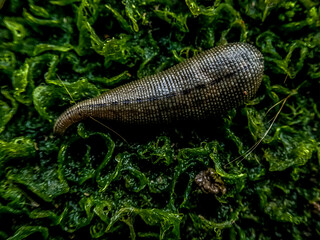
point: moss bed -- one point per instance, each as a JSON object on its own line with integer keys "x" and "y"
{"x": 90, "y": 183}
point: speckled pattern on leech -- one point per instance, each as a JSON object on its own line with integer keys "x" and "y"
{"x": 203, "y": 86}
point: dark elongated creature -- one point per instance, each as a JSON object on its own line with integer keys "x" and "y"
{"x": 198, "y": 88}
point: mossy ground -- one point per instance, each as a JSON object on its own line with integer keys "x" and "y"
{"x": 90, "y": 184}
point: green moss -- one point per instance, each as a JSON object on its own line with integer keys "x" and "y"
{"x": 90, "y": 184}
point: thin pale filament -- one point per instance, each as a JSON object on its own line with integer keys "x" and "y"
{"x": 242, "y": 157}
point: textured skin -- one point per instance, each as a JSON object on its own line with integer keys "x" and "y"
{"x": 201, "y": 87}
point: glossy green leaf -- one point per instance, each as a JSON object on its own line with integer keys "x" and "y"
{"x": 44, "y": 96}
{"x": 294, "y": 149}
{"x": 7, "y": 111}
{"x": 47, "y": 186}
{"x": 25, "y": 231}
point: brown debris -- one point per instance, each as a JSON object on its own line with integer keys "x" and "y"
{"x": 210, "y": 182}
{"x": 316, "y": 207}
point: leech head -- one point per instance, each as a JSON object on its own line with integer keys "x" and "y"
{"x": 72, "y": 115}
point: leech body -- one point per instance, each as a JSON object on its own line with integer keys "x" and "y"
{"x": 198, "y": 88}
